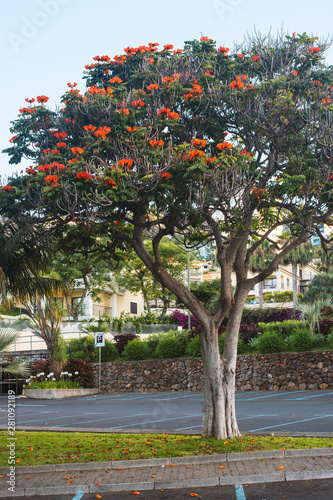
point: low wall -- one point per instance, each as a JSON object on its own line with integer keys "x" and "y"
{"x": 282, "y": 371}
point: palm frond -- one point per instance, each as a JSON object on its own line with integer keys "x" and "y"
{"x": 7, "y": 337}
{"x": 16, "y": 368}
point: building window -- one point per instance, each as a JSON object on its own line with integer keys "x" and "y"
{"x": 75, "y": 305}
{"x": 282, "y": 283}
{"x": 288, "y": 283}
{"x": 133, "y": 308}
{"x": 270, "y": 283}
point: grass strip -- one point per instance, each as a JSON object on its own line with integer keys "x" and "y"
{"x": 39, "y": 448}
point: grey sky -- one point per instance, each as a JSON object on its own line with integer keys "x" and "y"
{"x": 47, "y": 43}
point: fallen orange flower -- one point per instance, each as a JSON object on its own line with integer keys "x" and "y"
{"x": 136, "y": 493}
{"x": 222, "y": 467}
{"x": 281, "y": 468}
{"x": 98, "y": 496}
{"x": 98, "y": 483}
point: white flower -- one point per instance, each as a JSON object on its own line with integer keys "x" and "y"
{"x": 65, "y": 373}
{"x": 76, "y": 373}
{"x": 54, "y": 378}
{"x": 70, "y": 375}
{"x": 50, "y": 374}
{"x": 28, "y": 380}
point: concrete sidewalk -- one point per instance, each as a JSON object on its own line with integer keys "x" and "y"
{"x": 167, "y": 473}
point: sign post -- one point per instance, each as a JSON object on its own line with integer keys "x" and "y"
{"x": 99, "y": 342}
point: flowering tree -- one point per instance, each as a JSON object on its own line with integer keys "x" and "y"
{"x": 205, "y": 142}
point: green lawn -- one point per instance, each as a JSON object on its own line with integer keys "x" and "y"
{"x": 37, "y": 448}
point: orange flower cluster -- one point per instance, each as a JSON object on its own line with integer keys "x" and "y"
{"x": 102, "y": 59}
{"x": 30, "y": 100}
{"x": 84, "y": 176}
{"x": 60, "y": 135}
{"x": 197, "y": 91}
{"x": 115, "y": 79}
{"x": 89, "y": 128}
{"x": 255, "y": 58}
{"x": 224, "y": 145}
{"x": 326, "y": 101}
{"x": 178, "y": 51}
{"x": 110, "y": 182}
{"x": 95, "y": 90}
{"x": 238, "y": 83}
{"x": 7, "y": 188}
{"x": 167, "y": 113}
{"x": 259, "y": 193}
{"x": 314, "y": 50}
{"x": 152, "y": 86}
{"x": 210, "y": 160}
{"x": 102, "y": 132}
{"x": 61, "y": 145}
{"x": 165, "y": 175}
{"x": 168, "y": 79}
{"x": 199, "y": 142}
{"x": 245, "y": 153}
{"x": 173, "y": 116}
{"x": 51, "y": 166}
{"x": 318, "y": 83}
{"x": 154, "y": 143}
{"x": 124, "y": 111}
{"x": 138, "y": 104}
{"x": 205, "y": 39}
{"x": 295, "y": 73}
{"x": 119, "y": 59}
{"x": 125, "y": 163}
{"x": 30, "y": 171}
{"x": 241, "y": 56}
{"x": 90, "y": 66}
{"x": 131, "y": 129}
{"x": 77, "y": 151}
{"x": 131, "y": 51}
{"x": 12, "y": 139}
{"x": 52, "y": 179}
{"x": 42, "y": 99}
{"x": 193, "y": 154}
{"x": 168, "y": 47}
{"x": 27, "y": 110}
{"x": 71, "y": 85}
{"x": 223, "y": 50}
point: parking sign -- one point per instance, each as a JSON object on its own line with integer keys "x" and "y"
{"x": 99, "y": 339}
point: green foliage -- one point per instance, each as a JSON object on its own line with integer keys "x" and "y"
{"x": 269, "y": 343}
{"x": 241, "y": 346}
{"x": 193, "y": 348}
{"x": 171, "y": 346}
{"x": 84, "y": 348}
{"x": 136, "y": 349}
{"x": 301, "y": 341}
{"x": 284, "y": 328}
{"x": 321, "y": 286}
{"x": 207, "y": 292}
{"x": 329, "y": 340}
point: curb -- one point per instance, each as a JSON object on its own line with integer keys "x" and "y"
{"x": 151, "y": 462}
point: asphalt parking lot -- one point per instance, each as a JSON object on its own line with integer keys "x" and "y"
{"x": 262, "y": 412}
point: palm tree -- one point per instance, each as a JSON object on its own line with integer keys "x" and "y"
{"x": 261, "y": 257}
{"x": 302, "y": 256}
{"x": 17, "y": 368}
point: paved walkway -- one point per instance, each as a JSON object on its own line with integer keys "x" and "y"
{"x": 167, "y": 473}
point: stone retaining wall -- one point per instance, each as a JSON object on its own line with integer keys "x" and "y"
{"x": 282, "y": 371}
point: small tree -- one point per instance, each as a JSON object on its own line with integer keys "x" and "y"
{"x": 17, "y": 368}
{"x": 211, "y": 144}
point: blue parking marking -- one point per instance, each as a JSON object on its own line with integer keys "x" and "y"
{"x": 133, "y": 395}
{"x": 269, "y": 396}
{"x": 290, "y": 423}
{"x": 78, "y": 495}
{"x": 308, "y": 397}
{"x": 103, "y": 419}
{"x": 239, "y": 492}
{"x": 155, "y": 421}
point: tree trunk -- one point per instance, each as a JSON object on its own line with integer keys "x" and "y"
{"x": 261, "y": 294}
{"x": 294, "y": 278}
{"x": 219, "y": 417}
{"x": 145, "y": 298}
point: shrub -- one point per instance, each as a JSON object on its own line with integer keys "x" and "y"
{"x": 325, "y": 326}
{"x": 329, "y": 340}
{"x": 248, "y": 332}
{"x": 268, "y": 315}
{"x": 84, "y": 348}
{"x": 122, "y": 340}
{"x": 108, "y": 352}
{"x": 270, "y": 342}
{"x": 84, "y": 377}
{"x": 318, "y": 339}
{"x": 170, "y": 347}
{"x": 285, "y": 328}
{"x": 40, "y": 366}
{"x": 193, "y": 348}
{"x": 136, "y": 349}
{"x": 301, "y": 341}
